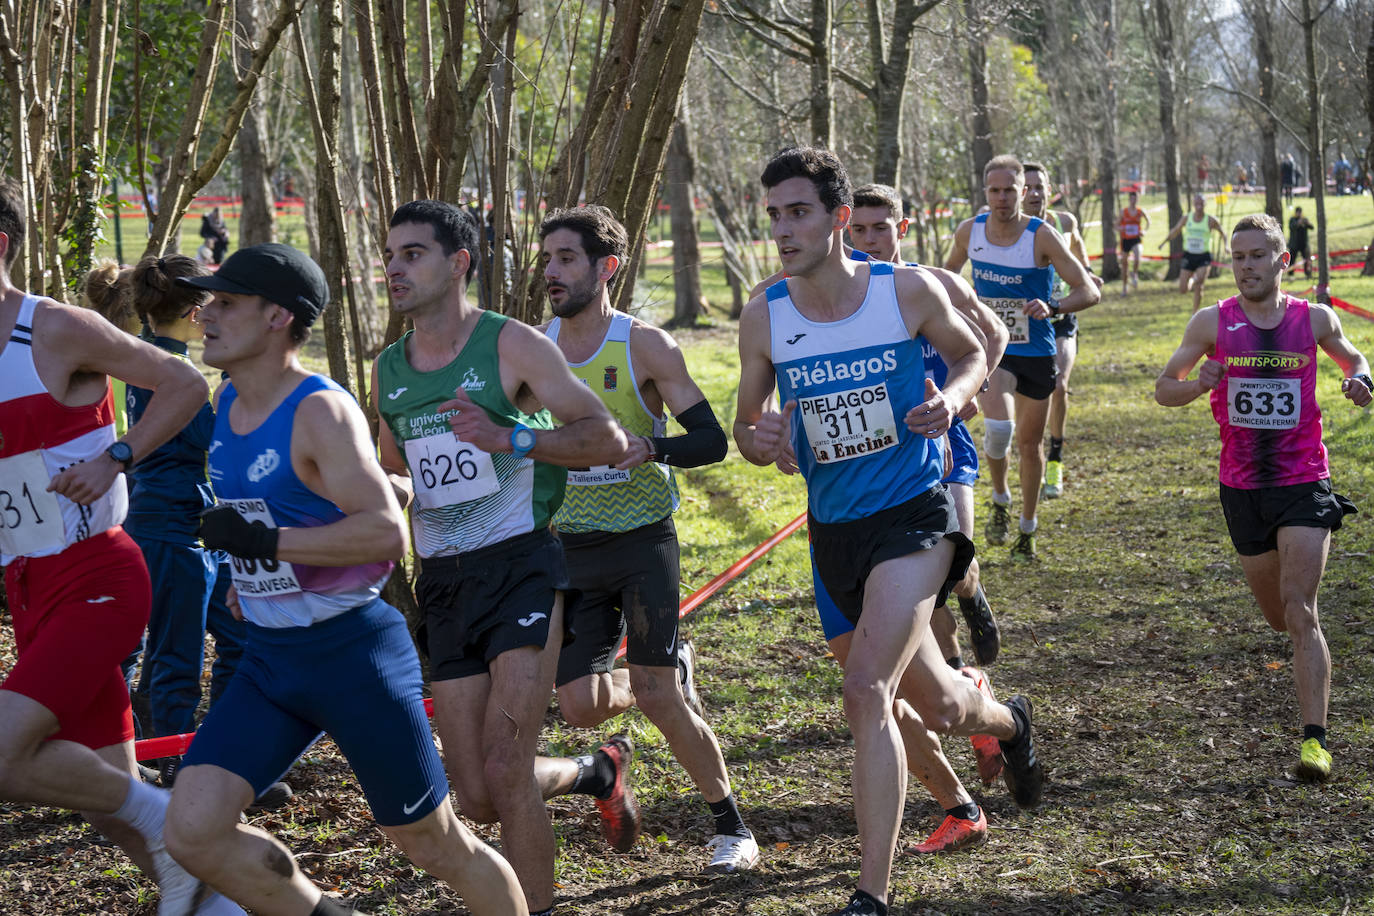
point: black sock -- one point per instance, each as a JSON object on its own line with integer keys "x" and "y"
{"x": 866, "y": 897}
{"x": 1314, "y": 731}
{"x": 1056, "y": 450}
{"x": 968, "y": 812}
{"x": 728, "y": 821}
{"x": 956, "y": 662}
{"x": 595, "y": 775}
{"x": 328, "y": 906}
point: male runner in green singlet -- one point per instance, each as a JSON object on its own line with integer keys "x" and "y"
{"x": 1197, "y": 227}
{"x": 1036, "y": 203}
{"x": 465, "y": 402}
{"x": 616, "y": 521}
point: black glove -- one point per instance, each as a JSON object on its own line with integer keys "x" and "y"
{"x": 222, "y": 528}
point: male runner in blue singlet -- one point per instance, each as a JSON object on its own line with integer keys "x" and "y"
{"x": 1015, "y": 257}
{"x": 837, "y": 338}
{"x": 313, "y": 526}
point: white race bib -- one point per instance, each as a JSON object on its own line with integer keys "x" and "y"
{"x": 30, "y": 517}
{"x": 260, "y": 578}
{"x": 1012, "y": 315}
{"x": 1264, "y": 403}
{"x": 447, "y": 471}
{"x": 597, "y": 476}
{"x": 848, "y": 424}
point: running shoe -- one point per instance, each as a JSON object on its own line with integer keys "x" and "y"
{"x": 999, "y": 524}
{"x": 987, "y": 750}
{"x": 1315, "y": 763}
{"x": 982, "y": 628}
{"x": 953, "y": 834}
{"x": 1022, "y": 773}
{"x": 167, "y": 771}
{"x": 687, "y": 676}
{"x": 619, "y": 813}
{"x": 1053, "y": 487}
{"x": 733, "y": 853}
{"x": 1135, "y": 281}
{"x": 858, "y": 906}
{"x": 1023, "y": 551}
{"x": 273, "y": 797}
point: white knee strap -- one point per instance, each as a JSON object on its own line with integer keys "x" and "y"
{"x": 997, "y": 437}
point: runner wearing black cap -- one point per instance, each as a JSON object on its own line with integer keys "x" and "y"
{"x": 313, "y": 526}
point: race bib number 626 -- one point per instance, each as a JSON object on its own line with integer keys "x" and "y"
{"x": 446, "y": 471}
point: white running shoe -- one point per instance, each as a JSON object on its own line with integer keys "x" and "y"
{"x": 687, "y": 676}
{"x": 733, "y": 853}
{"x": 182, "y": 893}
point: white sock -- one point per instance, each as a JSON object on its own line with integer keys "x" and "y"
{"x": 1027, "y": 525}
{"x": 1001, "y": 499}
{"x": 145, "y": 809}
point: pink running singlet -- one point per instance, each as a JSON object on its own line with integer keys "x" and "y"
{"x": 1271, "y": 426}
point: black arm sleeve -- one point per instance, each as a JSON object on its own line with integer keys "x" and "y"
{"x": 703, "y": 443}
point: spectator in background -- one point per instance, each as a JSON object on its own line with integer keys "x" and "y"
{"x": 1298, "y": 226}
{"x": 216, "y": 234}
{"x": 170, "y": 490}
{"x": 1288, "y": 176}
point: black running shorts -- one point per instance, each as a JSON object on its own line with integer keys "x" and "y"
{"x": 491, "y": 600}
{"x": 629, "y": 589}
{"x": 846, "y": 552}
{"x": 1035, "y": 375}
{"x": 1195, "y": 262}
{"x": 1254, "y": 517}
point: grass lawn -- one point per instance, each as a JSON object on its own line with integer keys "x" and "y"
{"x": 1165, "y": 708}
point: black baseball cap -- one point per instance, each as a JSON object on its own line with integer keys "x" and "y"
{"x": 278, "y": 273}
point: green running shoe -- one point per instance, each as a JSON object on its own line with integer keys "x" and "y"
{"x": 998, "y": 526}
{"x": 1023, "y": 551}
{"x": 1315, "y": 763}
{"x": 1053, "y": 487}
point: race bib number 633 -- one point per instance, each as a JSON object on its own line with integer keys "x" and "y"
{"x": 1264, "y": 403}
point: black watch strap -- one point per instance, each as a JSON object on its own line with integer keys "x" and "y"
{"x": 1364, "y": 377}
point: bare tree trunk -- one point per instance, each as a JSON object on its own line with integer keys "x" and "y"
{"x": 258, "y": 216}
{"x": 1111, "y": 268}
{"x": 678, "y": 176}
{"x": 1261, "y": 19}
{"x": 822, "y": 77}
{"x": 369, "y": 321}
{"x": 186, "y": 177}
{"x": 891, "y": 61}
{"x": 981, "y": 149}
{"x": 322, "y": 94}
{"x": 1316, "y": 144}
{"x": 1158, "y": 24}
{"x": 90, "y": 190}
{"x": 734, "y": 242}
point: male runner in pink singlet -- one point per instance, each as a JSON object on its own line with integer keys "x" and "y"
{"x": 1261, "y": 372}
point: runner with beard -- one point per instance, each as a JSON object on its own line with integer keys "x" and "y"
{"x": 616, "y": 521}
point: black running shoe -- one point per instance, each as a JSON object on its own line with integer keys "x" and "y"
{"x": 982, "y": 628}
{"x": 273, "y": 797}
{"x": 1023, "y": 774}
{"x": 857, "y": 906}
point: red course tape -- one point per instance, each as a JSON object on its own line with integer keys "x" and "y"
{"x": 174, "y": 745}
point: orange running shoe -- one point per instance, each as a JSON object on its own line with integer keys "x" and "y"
{"x": 953, "y": 834}
{"x": 987, "y": 750}
{"x": 618, "y": 810}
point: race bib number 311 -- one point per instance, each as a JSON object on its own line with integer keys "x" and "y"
{"x": 1012, "y": 313}
{"x": 30, "y": 517}
{"x": 260, "y": 578}
{"x": 447, "y": 471}
{"x": 848, "y": 424}
{"x": 1264, "y": 403}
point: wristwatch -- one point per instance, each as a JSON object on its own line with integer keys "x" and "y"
{"x": 121, "y": 452}
{"x": 1054, "y": 309}
{"x": 1364, "y": 377}
{"x": 521, "y": 440}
